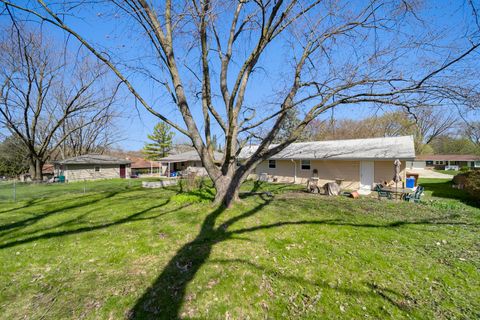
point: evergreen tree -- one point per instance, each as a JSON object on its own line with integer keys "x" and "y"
{"x": 216, "y": 144}
{"x": 161, "y": 142}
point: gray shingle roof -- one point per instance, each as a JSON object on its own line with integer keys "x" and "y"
{"x": 188, "y": 156}
{"x": 387, "y": 148}
{"x": 94, "y": 159}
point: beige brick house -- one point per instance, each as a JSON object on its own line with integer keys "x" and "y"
{"x": 357, "y": 163}
{"x": 91, "y": 167}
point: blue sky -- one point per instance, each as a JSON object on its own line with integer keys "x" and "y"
{"x": 109, "y": 28}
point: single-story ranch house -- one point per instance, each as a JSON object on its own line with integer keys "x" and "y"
{"x": 92, "y": 166}
{"x": 140, "y": 166}
{"x": 356, "y": 163}
{"x": 446, "y": 161}
{"x": 189, "y": 159}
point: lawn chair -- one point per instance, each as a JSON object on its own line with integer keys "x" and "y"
{"x": 383, "y": 193}
{"x": 415, "y": 197}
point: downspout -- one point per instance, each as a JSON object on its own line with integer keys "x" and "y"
{"x": 295, "y": 171}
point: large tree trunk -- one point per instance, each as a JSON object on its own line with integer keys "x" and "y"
{"x": 35, "y": 169}
{"x": 228, "y": 187}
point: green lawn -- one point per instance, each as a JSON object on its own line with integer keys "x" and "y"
{"x": 450, "y": 172}
{"x": 119, "y": 251}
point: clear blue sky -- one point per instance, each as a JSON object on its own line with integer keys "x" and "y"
{"x": 101, "y": 25}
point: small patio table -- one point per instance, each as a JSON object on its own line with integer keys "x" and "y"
{"x": 397, "y": 191}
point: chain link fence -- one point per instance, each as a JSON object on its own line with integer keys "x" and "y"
{"x": 11, "y": 191}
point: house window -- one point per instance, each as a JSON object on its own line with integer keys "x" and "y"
{"x": 429, "y": 163}
{"x": 438, "y": 162}
{"x": 97, "y": 168}
{"x": 477, "y": 164}
{"x": 305, "y": 165}
{"x": 272, "y": 164}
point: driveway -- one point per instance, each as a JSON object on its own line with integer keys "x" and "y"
{"x": 424, "y": 173}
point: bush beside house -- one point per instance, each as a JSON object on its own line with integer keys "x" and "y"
{"x": 470, "y": 181}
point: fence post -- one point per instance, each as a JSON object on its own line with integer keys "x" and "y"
{"x": 14, "y": 191}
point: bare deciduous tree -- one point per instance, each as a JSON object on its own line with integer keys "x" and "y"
{"x": 95, "y": 136}
{"x": 44, "y": 99}
{"x": 386, "y": 125}
{"x": 429, "y": 125}
{"x": 207, "y": 55}
{"x": 425, "y": 125}
{"x": 472, "y": 132}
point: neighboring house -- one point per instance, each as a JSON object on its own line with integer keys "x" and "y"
{"x": 446, "y": 161}
{"x": 189, "y": 159}
{"x": 92, "y": 166}
{"x": 48, "y": 171}
{"x": 357, "y": 163}
{"x": 140, "y": 166}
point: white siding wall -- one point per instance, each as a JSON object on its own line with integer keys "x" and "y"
{"x": 328, "y": 171}
{"x": 384, "y": 171}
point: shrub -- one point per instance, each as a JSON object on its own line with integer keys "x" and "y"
{"x": 470, "y": 181}
{"x": 460, "y": 179}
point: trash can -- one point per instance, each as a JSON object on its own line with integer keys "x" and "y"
{"x": 413, "y": 175}
{"x": 61, "y": 179}
{"x": 410, "y": 183}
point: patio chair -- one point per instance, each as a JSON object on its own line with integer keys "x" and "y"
{"x": 415, "y": 197}
{"x": 382, "y": 193}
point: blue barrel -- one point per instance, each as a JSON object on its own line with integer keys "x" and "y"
{"x": 410, "y": 182}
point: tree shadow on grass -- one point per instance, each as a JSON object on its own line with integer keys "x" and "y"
{"x": 4, "y": 229}
{"x": 164, "y": 298}
{"x": 444, "y": 190}
{"x": 401, "y": 301}
{"x": 137, "y": 216}
{"x": 339, "y": 222}
{"x": 26, "y": 204}
{"x": 12, "y": 230}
